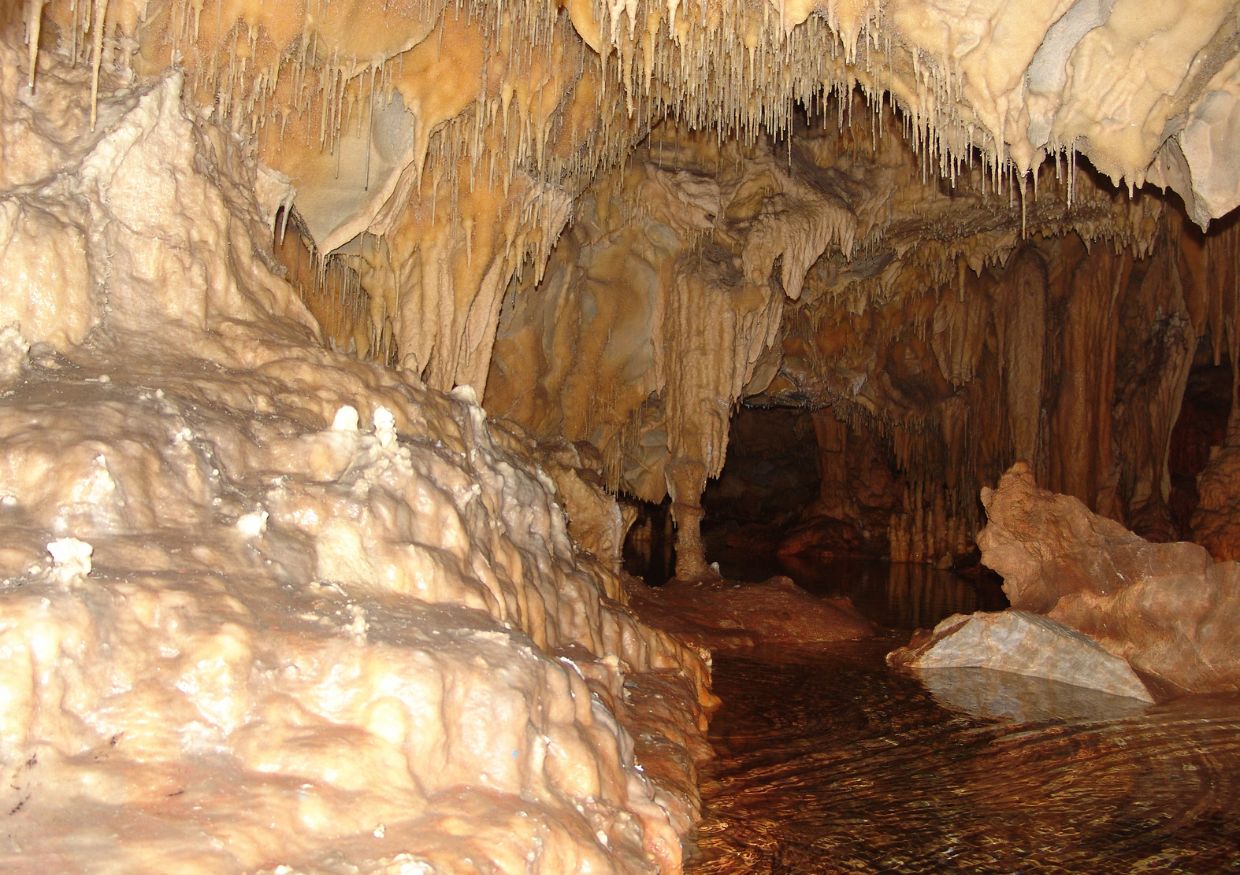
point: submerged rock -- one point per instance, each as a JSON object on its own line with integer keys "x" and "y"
{"x": 1022, "y": 643}
{"x": 1001, "y": 695}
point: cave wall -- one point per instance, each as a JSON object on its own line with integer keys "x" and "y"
{"x": 658, "y": 307}
{"x": 956, "y": 330}
{"x": 437, "y": 152}
{"x": 1070, "y": 357}
{"x": 963, "y": 332}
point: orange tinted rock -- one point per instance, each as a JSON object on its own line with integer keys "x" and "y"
{"x": 724, "y": 614}
{"x": 1168, "y": 609}
{"x": 1216, "y": 522}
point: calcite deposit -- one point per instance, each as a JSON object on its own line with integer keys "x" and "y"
{"x": 616, "y": 221}
{"x": 264, "y": 607}
{"x": 1170, "y": 610}
{"x": 258, "y": 560}
{"x": 938, "y": 334}
{"x": 1018, "y": 642}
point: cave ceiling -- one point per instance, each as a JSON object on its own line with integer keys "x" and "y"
{"x": 617, "y": 220}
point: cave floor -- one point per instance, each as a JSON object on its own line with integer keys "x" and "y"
{"x": 830, "y": 762}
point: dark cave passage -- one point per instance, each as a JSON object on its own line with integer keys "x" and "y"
{"x": 770, "y": 478}
{"x": 649, "y": 550}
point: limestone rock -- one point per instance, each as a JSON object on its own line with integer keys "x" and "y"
{"x": 1216, "y": 521}
{"x": 724, "y": 614}
{"x": 1168, "y": 609}
{"x": 1025, "y": 644}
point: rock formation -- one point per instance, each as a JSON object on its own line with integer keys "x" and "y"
{"x": 959, "y": 234}
{"x": 1170, "y": 610}
{"x": 263, "y": 606}
{"x": 811, "y": 162}
{"x": 946, "y": 330}
{"x": 1018, "y": 642}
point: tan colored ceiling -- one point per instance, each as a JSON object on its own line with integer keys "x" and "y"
{"x": 437, "y": 153}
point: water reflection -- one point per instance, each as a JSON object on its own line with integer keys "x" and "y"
{"x": 897, "y": 595}
{"x": 1001, "y": 695}
{"x": 829, "y": 762}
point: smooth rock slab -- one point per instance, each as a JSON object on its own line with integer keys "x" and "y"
{"x": 1025, "y": 644}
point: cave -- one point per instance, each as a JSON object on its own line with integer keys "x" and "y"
{"x": 770, "y": 478}
{"x": 732, "y": 436}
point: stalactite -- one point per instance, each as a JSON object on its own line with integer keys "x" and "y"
{"x": 468, "y": 187}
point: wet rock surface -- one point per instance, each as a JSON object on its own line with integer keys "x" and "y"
{"x": 1022, "y": 643}
{"x": 1168, "y": 609}
{"x": 727, "y": 615}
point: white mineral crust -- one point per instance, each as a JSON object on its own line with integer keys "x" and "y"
{"x": 203, "y": 699}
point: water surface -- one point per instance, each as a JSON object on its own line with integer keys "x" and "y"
{"x": 830, "y": 762}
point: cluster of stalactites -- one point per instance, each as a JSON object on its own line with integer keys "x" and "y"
{"x": 434, "y": 148}
{"x": 749, "y": 69}
{"x": 741, "y": 68}
{"x": 1071, "y": 357}
{"x": 302, "y": 76}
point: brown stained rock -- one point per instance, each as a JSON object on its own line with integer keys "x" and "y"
{"x": 1216, "y": 522}
{"x": 826, "y": 539}
{"x": 727, "y": 615}
{"x": 1168, "y": 609}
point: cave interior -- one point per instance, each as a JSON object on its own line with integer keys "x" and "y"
{"x": 755, "y": 278}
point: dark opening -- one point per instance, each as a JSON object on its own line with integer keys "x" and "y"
{"x": 770, "y": 477}
{"x": 1202, "y": 424}
{"x": 650, "y": 546}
